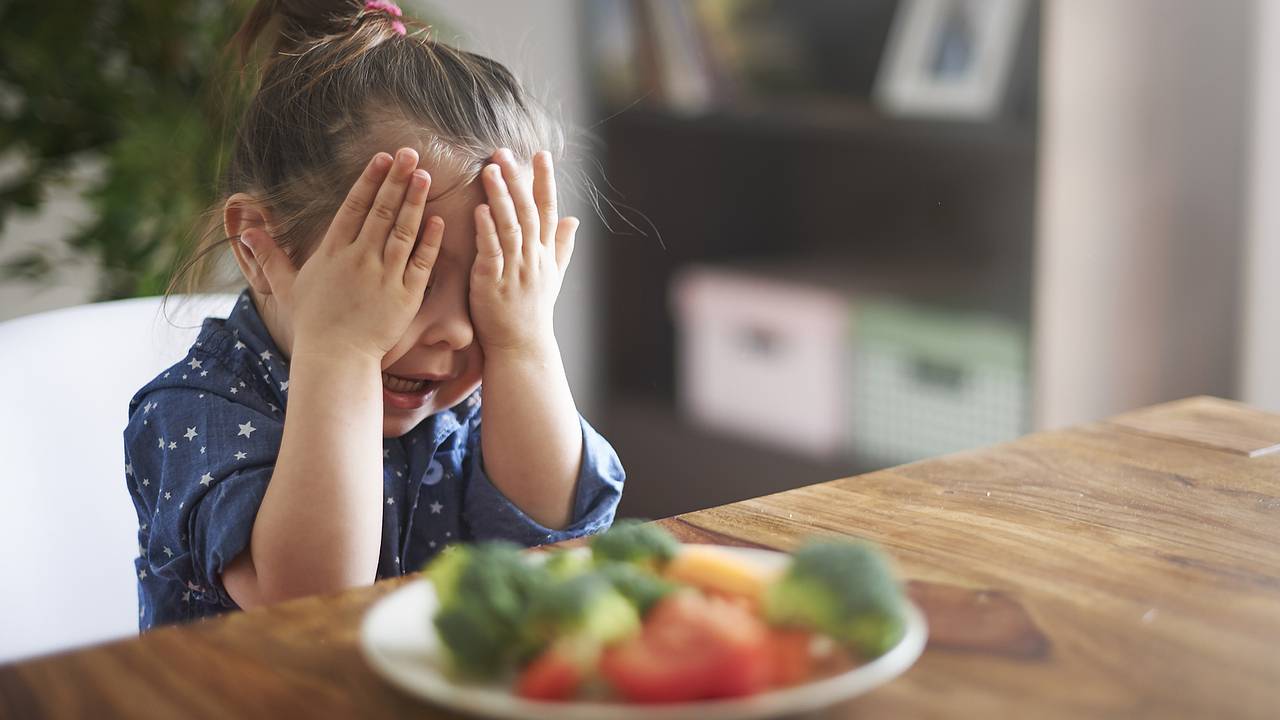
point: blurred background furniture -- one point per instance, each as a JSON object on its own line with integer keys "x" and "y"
{"x": 67, "y": 526}
{"x": 788, "y": 168}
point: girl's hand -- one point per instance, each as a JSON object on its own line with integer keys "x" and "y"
{"x": 365, "y": 281}
{"x": 522, "y": 251}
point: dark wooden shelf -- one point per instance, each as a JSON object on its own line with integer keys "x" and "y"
{"x": 675, "y": 466}
{"x": 798, "y": 180}
{"x": 828, "y": 121}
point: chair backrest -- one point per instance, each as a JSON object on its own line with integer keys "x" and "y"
{"x": 68, "y": 531}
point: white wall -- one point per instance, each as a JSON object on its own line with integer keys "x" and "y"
{"x": 1260, "y": 359}
{"x": 540, "y": 43}
{"x": 1143, "y": 162}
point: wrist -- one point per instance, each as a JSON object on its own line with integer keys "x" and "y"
{"x": 536, "y": 350}
{"x": 334, "y": 356}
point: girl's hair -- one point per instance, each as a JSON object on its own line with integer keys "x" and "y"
{"x": 336, "y": 74}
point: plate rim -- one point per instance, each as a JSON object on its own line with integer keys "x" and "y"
{"x": 490, "y": 702}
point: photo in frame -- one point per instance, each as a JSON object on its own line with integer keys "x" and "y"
{"x": 949, "y": 58}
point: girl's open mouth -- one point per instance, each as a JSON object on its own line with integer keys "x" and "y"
{"x": 406, "y": 394}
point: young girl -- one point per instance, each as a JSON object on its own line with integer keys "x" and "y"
{"x": 391, "y": 207}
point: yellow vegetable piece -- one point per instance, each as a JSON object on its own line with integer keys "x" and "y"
{"x": 714, "y": 570}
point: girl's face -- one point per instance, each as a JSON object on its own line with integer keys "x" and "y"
{"x": 440, "y": 344}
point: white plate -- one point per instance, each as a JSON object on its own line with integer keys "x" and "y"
{"x": 401, "y": 644}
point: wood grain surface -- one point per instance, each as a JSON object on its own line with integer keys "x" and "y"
{"x": 1208, "y": 422}
{"x": 1110, "y": 570}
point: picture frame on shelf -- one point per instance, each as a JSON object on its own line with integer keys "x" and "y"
{"x": 949, "y": 58}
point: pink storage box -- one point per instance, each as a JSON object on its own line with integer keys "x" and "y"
{"x": 763, "y": 357}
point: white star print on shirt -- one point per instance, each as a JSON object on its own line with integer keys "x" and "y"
{"x": 436, "y": 508}
{"x": 205, "y": 479}
{"x": 203, "y": 373}
{"x": 284, "y": 385}
{"x": 142, "y": 574}
{"x": 265, "y": 355}
{"x": 195, "y": 364}
{"x": 239, "y": 345}
{"x": 168, "y": 552}
{"x": 173, "y": 445}
{"x": 191, "y": 434}
{"x": 161, "y": 443}
{"x": 234, "y": 390}
{"x": 145, "y": 482}
{"x": 168, "y": 495}
{"x": 246, "y": 429}
{"x": 128, "y": 469}
{"x": 240, "y": 455}
{"x": 391, "y": 501}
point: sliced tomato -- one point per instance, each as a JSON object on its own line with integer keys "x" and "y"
{"x": 553, "y": 675}
{"x": 792, "y": 661}
{"x": 692, "y": 647}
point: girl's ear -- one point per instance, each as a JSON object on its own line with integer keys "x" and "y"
{"x": 246, "y": 221}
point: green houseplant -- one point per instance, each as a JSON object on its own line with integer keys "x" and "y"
{"x": 142, "y": 89}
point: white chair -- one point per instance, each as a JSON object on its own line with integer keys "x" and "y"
{"x": 68, "y": 531}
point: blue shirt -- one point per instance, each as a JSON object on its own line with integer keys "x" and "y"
{"x": 202, "y": 441}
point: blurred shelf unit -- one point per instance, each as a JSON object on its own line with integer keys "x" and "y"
{"x": 794, "y": 270}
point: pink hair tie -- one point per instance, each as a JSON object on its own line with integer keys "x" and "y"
{"x": 389, "y": 8}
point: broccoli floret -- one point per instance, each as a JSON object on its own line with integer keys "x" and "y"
{"x": 640, "y": 587}
{"x": 476, "y": 646}
{"x": 485, "y": 590}
{"x": 563, "y": 564}
{"x": 846, "y": 590}
{"x": 636, "y": 542}
{"x": 586, "y": 606}
{"x": 444, "y": 570}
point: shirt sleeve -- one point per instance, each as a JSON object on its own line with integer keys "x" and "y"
{"x": 489, "y": 515}
{"x": 200, "y": 465}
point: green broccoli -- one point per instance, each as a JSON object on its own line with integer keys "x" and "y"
{"x": 846, "y": 590}
{"x": 485, "y": 591}
{"x": 564, "y": 564}
{"x": 587, "y": 607}
{"x": 640, "y": 587}
{"x": 633, "y": 541}
{"x": 444, "y": 570}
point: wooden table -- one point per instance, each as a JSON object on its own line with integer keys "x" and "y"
{"x": 1128, "y": 568}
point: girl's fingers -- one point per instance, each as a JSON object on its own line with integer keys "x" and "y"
{"x": 544, "y": 194}
{"x": 489, "y": 261}
{"x": 386, "y": 204}
{"x": 418, "y": 271}
{"x": 405, "y": 232}
{"x": 566, "y": 231}
{"x": 276, "y": 266}
{"x": 350, "y": 217}
{"x": 518, "y": 187}
{"x": 503, "y": 210}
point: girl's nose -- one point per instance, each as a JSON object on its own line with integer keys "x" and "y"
{"x": 451, "y": 329}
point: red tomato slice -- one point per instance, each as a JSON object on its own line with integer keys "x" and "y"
{"x": 553, "y": 675}
{"x": 692, "y": 647}
{"x": 792, "y": 662}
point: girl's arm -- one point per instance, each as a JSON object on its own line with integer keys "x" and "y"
{"x": 318, "y": 528}
{"x": 532, "y": 439}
